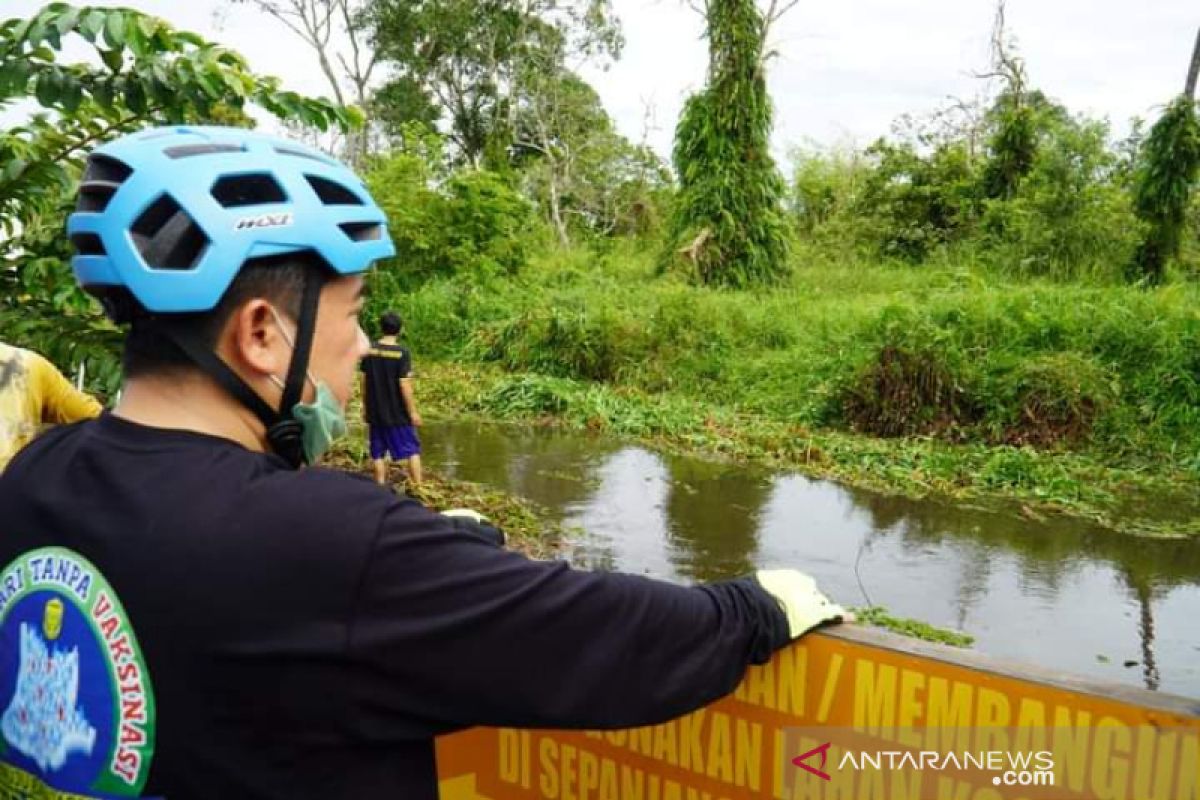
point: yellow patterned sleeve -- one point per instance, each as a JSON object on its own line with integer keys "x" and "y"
{"x": 61, "y": 402}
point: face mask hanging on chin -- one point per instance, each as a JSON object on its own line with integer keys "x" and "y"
{"x": 323, "y": 421}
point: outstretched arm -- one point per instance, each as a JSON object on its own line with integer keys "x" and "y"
{"x": 455, "y": 631}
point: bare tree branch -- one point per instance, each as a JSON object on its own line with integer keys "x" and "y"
{"x": 773, "y": 14}
{"x": 778, "y": 13}
{"x": 1189, "y": 90}
{"x": 1005, "y": 65}
{"x": 280, "y": 13}
{"x": 312, "y": 21}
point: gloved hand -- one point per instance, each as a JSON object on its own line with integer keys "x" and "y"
{"x": 476, "y": 524}
{"x": 801, "y": 600}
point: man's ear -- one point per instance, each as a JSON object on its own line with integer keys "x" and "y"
{"x": 253, "y": 343}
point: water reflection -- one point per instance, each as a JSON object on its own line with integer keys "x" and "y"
{"x": 713, "y": 517}
{"x": 1059, "y": 593}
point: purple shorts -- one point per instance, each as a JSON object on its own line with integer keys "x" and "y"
{"x": 398, "y": 441}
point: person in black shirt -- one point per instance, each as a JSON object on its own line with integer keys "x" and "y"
{"x": 190, "y": 609}
{"x": 388, "y": 404}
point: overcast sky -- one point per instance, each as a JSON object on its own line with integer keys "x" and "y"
{"x": 845, "y": 69}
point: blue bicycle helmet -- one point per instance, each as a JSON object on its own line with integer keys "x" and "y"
{"x": 168, "y": 217}
{"x": 171, "y": 214}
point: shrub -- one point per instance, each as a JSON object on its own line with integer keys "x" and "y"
{"x": 470, "y": 222}
{"x": 1049, "y": 399}
{"x": 486, "y": 226}
{"x": 1069, "y": 216}
{"x": 916, "y": 382}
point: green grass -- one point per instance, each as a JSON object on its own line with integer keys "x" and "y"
{"x": 1109, "y": 371}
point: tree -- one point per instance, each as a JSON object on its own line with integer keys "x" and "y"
{"x": 1013, "y": 143}
{"x": 148, "y": 73}
{"x": 317, "y": 22}
{"x": 558, "y": 117}
{"x": 572, "y": 160}
{"x": 477, "y": 62}
{"x": 1163, "y": 182}
{"x": 728, "y": 217}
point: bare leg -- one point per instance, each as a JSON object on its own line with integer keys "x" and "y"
{"x": 414, "y": 469}
{"x": 380, "y": 471}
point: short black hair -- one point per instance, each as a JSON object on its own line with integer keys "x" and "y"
{"x": 390, "y": 323}
{"x": 279, "y": 279}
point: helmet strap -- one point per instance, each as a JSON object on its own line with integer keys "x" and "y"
{"x": 285, "y": 434}
{"x": 283, "y": 431}
{"x": 306, "y": 326}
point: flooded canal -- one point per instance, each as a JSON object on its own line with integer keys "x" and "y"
{"x": 1057, "y": 593}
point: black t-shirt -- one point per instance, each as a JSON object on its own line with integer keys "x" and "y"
{"x": 384, "y": 367}
{"x": 306, "y": 634}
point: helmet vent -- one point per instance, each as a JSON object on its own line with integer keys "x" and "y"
{"x": 189, "y": 150}
{"x": 94, "y": 195}
{"x": 88, "y": 244}
{"x": 166, "y": 237}
{"x": 362, "y": 231}
{"x": 100, "y": 180}
{"x": 105, "y": 168}
{"x": 332, "y": 193}
{"x": 254, "y": 189}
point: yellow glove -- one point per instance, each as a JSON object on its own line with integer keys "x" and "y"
{"x": 801, "y": 600}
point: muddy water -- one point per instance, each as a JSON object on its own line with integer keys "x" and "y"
{"x": 1061, "y": 594}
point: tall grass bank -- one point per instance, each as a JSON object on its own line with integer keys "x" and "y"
{"x": 1079, "y": 398}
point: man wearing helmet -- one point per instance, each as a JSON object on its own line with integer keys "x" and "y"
{"x": 186, "y": 612}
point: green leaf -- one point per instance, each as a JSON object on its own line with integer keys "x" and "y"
{"x": 102, "y": 93}
{"x": 66, "y": 23}
{"x": 47, "y": 88}
{"x": 315, "y": 117}
{"x": 150, "y": 27}
{"x": 135, "y": 97}
{"x": 22, "y": 30}
{"x": 72, "y": 94}
{"x": 114, "y": 29}
{"x": 235, "y": 82}
{"x": 136, "y": 42}
{"x": 161, "y": 93}
{"x": 353, "y": 117}
{"x": 210, "y": 83}
{"x": 13, "y": 169}
{"x": 113, "y": 59}
{"x": 92, "y": 23}
{"x": 37, "y": 32}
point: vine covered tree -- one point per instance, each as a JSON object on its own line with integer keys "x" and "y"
{"x": 1163, "y": 182}
{"x": 728, "y": 218}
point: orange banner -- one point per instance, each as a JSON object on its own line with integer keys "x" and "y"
{"x": 856, "y": 714}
